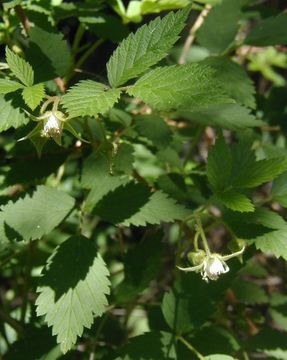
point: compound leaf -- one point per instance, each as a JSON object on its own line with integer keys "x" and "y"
{"x": 145, "y": 48}
{"x": 89, "y": 98}
{"x": 73, "y": 289}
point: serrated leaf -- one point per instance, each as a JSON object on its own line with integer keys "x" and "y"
{"x": 235, "y": 80}
{"x": 260, "y": 172}
{"x": 155, "y": 129}
{"x": 20, "y": 68}
{"x": 249, "y": 293}
{"x": 89, "y": 98}
{"x": 271, "y": 31}
{"x": 73, "y": 289}
{"x": 218, "y": 171}
{"x": 7, "y": 86}
{"x": 227, "y": 116}
{"x": 145, "y": 48}
{"x": 11, "y": 115}
{"x": 180, "y": 86}
{"x": 274, "y": 242}
{"x": 133, "y": 204}
{"x": 33, "y": 95}
{"x": 279, "y": 189}
{"x": 49, "y": 52}
{"x": 220, "y": 26}
{"x": 35, "y": 216}
{"x": 236, "y": 201}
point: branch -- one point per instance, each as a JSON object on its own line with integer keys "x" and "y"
{"x": 23, "y": 18}
{"x": 190, "y": 39}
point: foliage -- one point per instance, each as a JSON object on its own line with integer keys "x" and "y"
{"x": 143, "y": 179}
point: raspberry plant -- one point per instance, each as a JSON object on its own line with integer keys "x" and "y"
{"x": 143, "y": 179}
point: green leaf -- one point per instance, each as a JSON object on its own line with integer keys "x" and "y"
{"x": 141, "y": 267}
{"x": 20, "y": 68}
{"x": 50, "y": 50}
{"x": 279, "y": 189}
{"x": 274, "y": 242}
{"x": 73, "y": 289}
{"x": 180, "y": 86}
{"x": 7, "y": 86}
{"x": 260, "y": 172}
{"x": 154, "y": 345}
{"x": 236, "y": 201}
{"x": 249, "y": 293}
{"x": 270, "y": 31}
{"x": 235, "y": 80}
{"x": 155, "y": 6}
{"x": 133, "y": 204}
{"x": 240, "y": 170}
{"x": 227, "y": 116}
{"x": 145, "y": 48}
{"x": 177, "y": 311}
{"x": 11, "y": 114}
{"x": 219, "y": 165}
{"x": 89, "y": 98}
{"x": 33, "y": 95}
{"x": 155, "y": 129}
{"x": 35, "y": 216}
{"x": 220, "y": 26}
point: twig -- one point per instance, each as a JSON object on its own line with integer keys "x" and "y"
{"x": 190, "y": 347}
{"x": 190, "y": 39}
{"x": 23, "y": 18}
{"x": 12, "y": 322}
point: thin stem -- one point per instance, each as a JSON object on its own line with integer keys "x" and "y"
{"x": 202, "y": 235}
{"x": 83, "y": 58}
{"x": 78, "y": 37}
{"x": 194, "y": 143}
{"x": 12, "y": 322}
{"x": 190, "y": 39}
{"x": 190, "y": 347}
{"x": 98, "y": 333}
{"x": 195, "y": 241}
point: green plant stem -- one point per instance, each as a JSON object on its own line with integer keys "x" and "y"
{"x": 202, "y": 235}
{"x": 78, "y": 37}
{"x": 12, "y": 322}
{"x": 190, "y": 347}
{"x": 194, "y": 144}
{"x": 98, "y": 333}
{"x": 83, "y": 58}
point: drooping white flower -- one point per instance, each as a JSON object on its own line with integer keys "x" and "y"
{"x": 52, "y": 126}
{"x": 213, "y": 266}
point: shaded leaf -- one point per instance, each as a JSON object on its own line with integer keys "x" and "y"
{"x": 35, "y": 216}
{"x": 73, "y": 287}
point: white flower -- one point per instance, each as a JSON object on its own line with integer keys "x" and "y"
{"x": 52, "y": 126}
{"x": 213, "y": 266}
